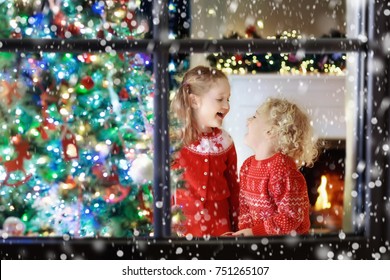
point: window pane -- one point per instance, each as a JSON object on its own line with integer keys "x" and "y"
{"x": 323, "y": 98}
{"x": 76, "y": 148}
{"x": 235, "y": 18}
{"x": 72, "y": 19}
{"x": 316, "y": 82}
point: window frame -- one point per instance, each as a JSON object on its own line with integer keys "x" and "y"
{"x": 373, "y": 87}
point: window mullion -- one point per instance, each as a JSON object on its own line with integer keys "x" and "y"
{"x": 266, "y": 45}
{"x": 161, "y": 159}
{"x": 76, "y": 45}
{"x": 182, "y": 45}
{"x": 376, "y": 180}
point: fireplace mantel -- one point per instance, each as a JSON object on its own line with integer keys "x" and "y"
{"x": 323, "y": 96}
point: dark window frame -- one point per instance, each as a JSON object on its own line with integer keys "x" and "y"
{"x": 373, "y": 88}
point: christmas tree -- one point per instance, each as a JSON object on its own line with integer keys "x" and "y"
{"x": 75, "y": 151}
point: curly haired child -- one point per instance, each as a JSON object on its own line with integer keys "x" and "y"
{"x": 273, "y": 192}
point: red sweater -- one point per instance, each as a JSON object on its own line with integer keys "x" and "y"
{"x": 273, "y": 197}
{"x": 210, "y": 169}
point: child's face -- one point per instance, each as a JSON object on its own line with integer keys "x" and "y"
{"x": 211, "y": 107}
{"x": 259, "y": 132}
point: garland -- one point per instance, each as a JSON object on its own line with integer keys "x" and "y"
{"x": 299, "y": 62}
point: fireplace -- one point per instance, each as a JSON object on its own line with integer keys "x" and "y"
{"x": 325, "y": 182}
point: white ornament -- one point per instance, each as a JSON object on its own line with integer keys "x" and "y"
{"x": 141, "y": 170}
{"x": 103, "y": 149}
{"x": 14, "y": 226}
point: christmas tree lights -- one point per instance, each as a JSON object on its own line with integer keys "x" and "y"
{"x": 75, "y": 152}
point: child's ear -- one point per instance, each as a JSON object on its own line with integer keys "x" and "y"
{"x": 194, "y": 101}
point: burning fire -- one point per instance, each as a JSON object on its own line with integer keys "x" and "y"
{"x": 322, "y": 200}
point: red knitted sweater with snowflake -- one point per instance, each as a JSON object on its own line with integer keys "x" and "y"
{"x": 210, "y": 165}
{"x": 273, "y": 197}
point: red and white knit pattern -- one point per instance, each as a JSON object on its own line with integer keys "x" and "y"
{"x": 210, "y": 173}
{"x": 273, "y": 197}
{"x": 212, "y": 143}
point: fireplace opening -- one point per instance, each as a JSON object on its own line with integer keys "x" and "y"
{"x": 325, "y": 182}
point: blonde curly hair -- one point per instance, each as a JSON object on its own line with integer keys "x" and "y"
{"x": 293, "y": 130}
{"x": 197, "y": 80}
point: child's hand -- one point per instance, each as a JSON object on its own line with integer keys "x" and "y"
{"x": 243, "y": 232}
{"x": 229, "y": 233}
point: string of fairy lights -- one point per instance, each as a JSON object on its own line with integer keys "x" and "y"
{"x": 283, "y": 63}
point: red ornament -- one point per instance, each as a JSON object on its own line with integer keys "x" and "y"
{"x": 69, "y": 183}
{"x": 114, "y": 191}
{"x": 238, "y": 57}
{"x": 100, "y": 172}
{"x": 86, "y": 58}
{"x": 22, "y": 148}
{"x": 60, "y": 22}
{"x": 142, "y": 204}
{"x": 16, "y": 35}
{"x": 74, "y": 29}
{"x": 10, "y": 91}
{"x": 69, "y": 145}
{"x": 112, "y": 31}
{"x": 123, "y": 94}
{"x": 121, "y": 56}
{"x": 115, "y": 149}
{"x": 87, "y": 82}
{"x": 100, "y": 34}
{"x": 251, "y": 31}
{"x": 45, "y": 98}
{"x": 131, "y": 21}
